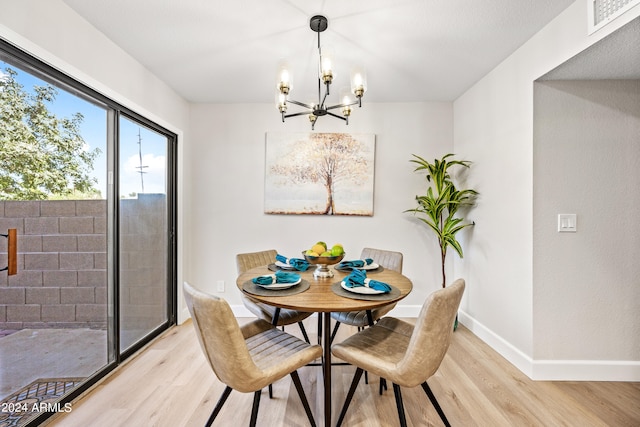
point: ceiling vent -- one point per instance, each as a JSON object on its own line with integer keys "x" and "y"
{"x": 601, "y": 12}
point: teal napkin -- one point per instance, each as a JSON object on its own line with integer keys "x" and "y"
{"x": 357, "y": 263}
{"x": 279, "y": 277}
{"x": 359, "y": 278}
{"x": 297, "y": 263}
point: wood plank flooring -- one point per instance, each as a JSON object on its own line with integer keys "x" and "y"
{"x": 171, "y": 384}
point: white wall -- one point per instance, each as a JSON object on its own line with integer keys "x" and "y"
{"x": 227, "y": 175}
{"x": 586, "y": 161}
{"x": 54, "y": 33}
{"x": 221, "y": 167}
{"x": 493, "y": 126}
{"x": 221, "y": 154}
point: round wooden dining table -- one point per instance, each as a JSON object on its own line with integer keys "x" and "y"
{"x": 322, "y": 296}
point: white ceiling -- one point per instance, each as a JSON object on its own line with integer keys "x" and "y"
{"x": 218, "y": 51}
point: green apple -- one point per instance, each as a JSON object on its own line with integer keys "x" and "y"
{"x": 337, "y": 250}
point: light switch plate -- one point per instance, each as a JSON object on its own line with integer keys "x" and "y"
{"x": 567, "y": 223}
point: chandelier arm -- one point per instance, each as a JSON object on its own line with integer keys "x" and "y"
{"x": 309, "y": 106}
{"x": 342, "y": 105}
{"x": 337, "y": 116}
{"x": 324, "y": 98}
{"x": 303, "y": 113}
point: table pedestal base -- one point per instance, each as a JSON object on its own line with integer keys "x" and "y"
{"x": 322, "y": 272}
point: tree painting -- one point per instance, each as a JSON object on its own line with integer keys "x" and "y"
{"x": 319, "y": 173}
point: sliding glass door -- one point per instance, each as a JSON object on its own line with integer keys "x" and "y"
{"x": 89, "y": 185}
{"x": 144, "y": 240}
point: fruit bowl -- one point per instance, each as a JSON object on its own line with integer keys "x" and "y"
{"x": 321, "y": 263}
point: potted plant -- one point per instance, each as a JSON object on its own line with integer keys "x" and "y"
{"x": 439, "y": 207}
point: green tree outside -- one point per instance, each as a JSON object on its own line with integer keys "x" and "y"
{"x": 42, "y": 156}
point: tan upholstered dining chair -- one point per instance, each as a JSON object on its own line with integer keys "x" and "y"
{"x": 387, "y": 259}
{"x": 277, "y": 316}
{"x": 405, "y": 354}
{"x": 246, "y": 358}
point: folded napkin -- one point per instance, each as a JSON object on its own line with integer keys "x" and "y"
{"x": 359, "y": 278}
{"x": 297, "y": 263}
{"x": 357, "y": 263}
{"x": 279, "y": 277}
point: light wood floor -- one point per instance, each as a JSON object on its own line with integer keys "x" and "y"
{"x": 170, "y": 384}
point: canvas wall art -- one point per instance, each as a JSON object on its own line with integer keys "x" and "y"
{"x": 319, "y": 173}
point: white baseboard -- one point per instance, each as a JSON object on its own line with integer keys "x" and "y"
{"x": 586, "y": 370}
{"x": 539, "y": 370}
{"x": 504, "y": 348}
{"x": 554, "y": 370}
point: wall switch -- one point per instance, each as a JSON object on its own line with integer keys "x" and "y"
{"x": 220, "y": 286}
{"x": 567, "y": 223}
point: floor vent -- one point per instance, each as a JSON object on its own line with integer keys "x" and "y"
{"x": 601, "y": 12}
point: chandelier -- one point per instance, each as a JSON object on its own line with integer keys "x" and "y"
{"x": 318, "y": 23}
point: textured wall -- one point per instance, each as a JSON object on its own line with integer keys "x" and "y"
{"x": 587, "y": 162}
{"x": 61, "y": 280}
{"x": 62, "y": 264}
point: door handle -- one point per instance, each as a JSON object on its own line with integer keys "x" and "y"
{"x": 12, "y": 252}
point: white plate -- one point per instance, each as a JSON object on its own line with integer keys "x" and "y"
{"x": 278, "y": 286}
{"x": 284, "y": 266}
{"x": 361, "y": 289}
{"x": 371, "y": 266}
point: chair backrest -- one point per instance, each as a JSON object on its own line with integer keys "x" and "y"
{"x": 250, "y": 260}
{"x": 432, "y": 334}
{"x": 388, "y": 259}
{"x": 221, "y": 339}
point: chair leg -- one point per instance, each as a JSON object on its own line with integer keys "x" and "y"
{"x": 254, "y": 409}
{"x": 434, "y": 401}
{"x": 304, "y": 332}
{"x": 303, "y": 397}
{"x": 383, "y": 385}
{"x": 352, "y": 390}
{"x": 270, "y": 391}
{"x": 399, "y": 405}
{"x": 335, "y": 331}
{"x": 276, "y": 316}
{"x": 219, "y": 405}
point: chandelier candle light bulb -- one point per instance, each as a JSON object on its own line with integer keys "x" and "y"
{"x": 318, "y": 24}
{"x": 358, "y": 85}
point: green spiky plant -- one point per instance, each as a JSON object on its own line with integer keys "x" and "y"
{"x": 439, "y": 206}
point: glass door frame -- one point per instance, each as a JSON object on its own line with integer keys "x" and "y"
{"x": 114, "y": 110}
{"x": 172, "y": 297}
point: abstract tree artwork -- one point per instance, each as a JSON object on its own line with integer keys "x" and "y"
{"x": 319, "y": 173}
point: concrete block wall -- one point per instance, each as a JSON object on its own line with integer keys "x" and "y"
{"x": 62, "y": 264}
{"x": 143, "y": 260}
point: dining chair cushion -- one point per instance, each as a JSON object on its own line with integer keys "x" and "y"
{"x": 405, "y": 354}
{"x": 359, "y": 318}
{"x": 249, "y": 260}
{"x": 246, "y": 358}
{"x": 389, "y": 259}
